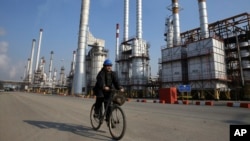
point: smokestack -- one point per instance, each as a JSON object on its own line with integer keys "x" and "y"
{"x": 117, "y": 47}
{"x": 50, "y": 65}
{"x": 38, "y": 50}
{"x": 203, "y": 19}
{"x": 72, "y": 69}
{"x": 31, "y": 59}
{"x": 126, "y": 19}
{"x": 176, "y": 22}
{"x": 73, "y": 61}
{"x": 24, "y": 74}
{"x": 139, "y": 19}
{"x": 79, "y": 81}
{"x": 27, "y": 70}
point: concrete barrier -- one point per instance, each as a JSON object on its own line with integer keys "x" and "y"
{"x": 159, "y": 101}
{"x": 238, "y": 104}
{"x": 208, "y": 103}
{"x": 185, "y": 102}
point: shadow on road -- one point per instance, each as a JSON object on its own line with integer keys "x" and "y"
{"x": 73, "y": 128}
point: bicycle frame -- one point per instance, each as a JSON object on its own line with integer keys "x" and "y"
{"x": 115, "y": 122}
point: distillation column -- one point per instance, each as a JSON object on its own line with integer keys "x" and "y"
{"x": 139, "y": 54}
{"x": 124, "y": 63}
{"x": 79, "y": 80}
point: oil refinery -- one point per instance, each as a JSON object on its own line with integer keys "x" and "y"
{"x": 214, "y": 59}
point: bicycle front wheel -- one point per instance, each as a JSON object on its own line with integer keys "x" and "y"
{"x": 117, "y": 123}
{"x": 95, "y": 121}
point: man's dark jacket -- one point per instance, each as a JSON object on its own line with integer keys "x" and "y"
{"x": 101, "y": 82}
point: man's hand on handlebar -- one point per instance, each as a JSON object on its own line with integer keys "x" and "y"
{"x": 106, "y": 88}
{"x": 122, "y": 90}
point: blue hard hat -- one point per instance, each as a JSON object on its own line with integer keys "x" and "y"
{"x": 107, "y": 62}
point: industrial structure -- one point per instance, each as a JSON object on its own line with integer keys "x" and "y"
{"x": 133, "y": 56}
{"x": 75, "y": 82}
{"x": 213, "y": 59}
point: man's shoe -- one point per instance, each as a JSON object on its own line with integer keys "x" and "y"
{"x": 112, "y": 124}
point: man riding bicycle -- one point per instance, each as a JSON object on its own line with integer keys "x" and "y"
{"x": 106, "y": 79}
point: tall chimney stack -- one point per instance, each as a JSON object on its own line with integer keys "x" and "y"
{"x": 117, "y": 47}
{"x": 27, "y": 70}
{"x": 73, "y": 61}
{"x": 126, "y": 20}
{"x": 203, "y": 18}
{"x": 50, "y": 66}
{"x": 176, "y": 22}
{"x": 79, "y": 80}
{"x": 139, "y": 19}
{"x": 31, "y": 59}
{"x": 38, "y": 49}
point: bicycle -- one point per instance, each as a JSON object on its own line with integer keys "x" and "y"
{"x": 117, "y": 119}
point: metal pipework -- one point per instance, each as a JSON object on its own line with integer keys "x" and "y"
{"x": 176, "y": 22}
{"x": 203, "y": 18}
{"x": 79, "y": 80}
{"x": 38, "y": 49}
{"x": 139, "y": 19}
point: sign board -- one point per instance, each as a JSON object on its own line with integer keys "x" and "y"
{"x": 184, "y": 88}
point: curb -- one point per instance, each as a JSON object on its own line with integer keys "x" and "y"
{"x": 143, "y": 100}
{"x": 184, "y": 102}
{"x": 159, "y": 101}
{"x": 208, "y": 103}
{"x": 238, "y": 104}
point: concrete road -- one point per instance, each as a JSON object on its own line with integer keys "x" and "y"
{"x": 37, "y": 117}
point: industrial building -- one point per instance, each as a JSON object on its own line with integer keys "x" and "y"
{"x": 213, "y": 58}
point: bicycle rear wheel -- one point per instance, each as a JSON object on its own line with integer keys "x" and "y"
{"x": 95, "y": 121}
{"x": 117, "y": 123}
